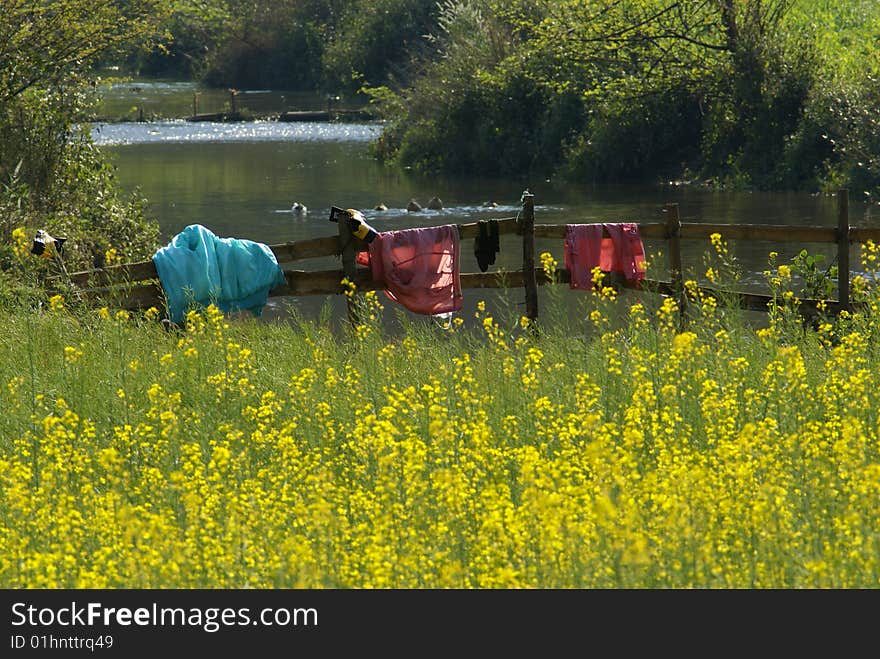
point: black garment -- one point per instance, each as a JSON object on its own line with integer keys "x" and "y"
{"x": 486, "y": 244}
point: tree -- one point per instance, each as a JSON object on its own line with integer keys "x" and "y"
{"x": 377, "y": 40}
{"x": 46, "y": 42}
{"x": 51, "y": 174}
{"x": 662, "y": 84}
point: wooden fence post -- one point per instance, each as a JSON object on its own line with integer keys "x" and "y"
{"x": 673, "y": 236}
{"x": 843, "y": 302}
{"x": 348, "y": 252}
{"x": 527, "y": 227}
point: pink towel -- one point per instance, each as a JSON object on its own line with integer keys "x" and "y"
{"x": 419, "y": 268}
{"x": 585, "y": 248}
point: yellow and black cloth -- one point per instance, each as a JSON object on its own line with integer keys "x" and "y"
{"x": 47, "y": 246}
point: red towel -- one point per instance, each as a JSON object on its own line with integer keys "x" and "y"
{"x": 418, "y": 267}
{"x": 585, "y": 248}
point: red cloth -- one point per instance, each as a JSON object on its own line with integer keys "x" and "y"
{"x": 418, "y": 267}
{"x": 585, "y": 248}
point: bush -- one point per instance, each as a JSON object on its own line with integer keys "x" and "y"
{"x": 657, "y": 138}
{"x": 375, "y": 41}
{"x": 53, "y": 177}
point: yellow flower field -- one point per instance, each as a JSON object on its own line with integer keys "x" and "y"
{"x": 633, "y": 451}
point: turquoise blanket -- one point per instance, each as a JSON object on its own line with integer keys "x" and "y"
{"x": 197, "y": 269}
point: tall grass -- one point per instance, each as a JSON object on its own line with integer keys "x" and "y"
{"x": 624, "y": 450}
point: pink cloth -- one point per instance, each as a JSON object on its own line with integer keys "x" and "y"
{"x": 419, "y": 268}
{"x": 585, "y": 248}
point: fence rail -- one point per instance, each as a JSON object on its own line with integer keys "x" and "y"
{"x": 136, "y": 285}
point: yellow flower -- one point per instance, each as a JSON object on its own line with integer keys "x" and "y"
{"x": 349, "y": 287}
{"x": 56, "y": 302}
{"x": 20, "y": 241}
{"x": 72, "y": 354}
{"x": 683, "y": 343}
{"x": 548, "y": 263}
{"x": 718, "y": 244}
{"x": 14, "y": 384}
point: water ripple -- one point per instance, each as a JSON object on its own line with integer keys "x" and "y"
{"x": 179, "y": 131}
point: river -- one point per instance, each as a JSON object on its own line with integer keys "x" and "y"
{"x": 241, "y": 179}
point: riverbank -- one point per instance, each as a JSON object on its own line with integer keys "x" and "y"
{"x": 347, "y": 115}
{"x": 146, "y": 100}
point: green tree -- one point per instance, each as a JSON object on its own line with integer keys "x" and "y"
{"x": 736, "y": 67}
{"x": 838, "y": 142}
{"x": 375, "y": 41}
{"x": 457, "y": 114}
{"x": 262, "y": 43}
{"x": 629, "y": 86}
{"x": 51, "y": 174}
{"x": 47, "y": 42}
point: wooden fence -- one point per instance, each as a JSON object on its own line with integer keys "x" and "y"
{"x": 136, "y": 285}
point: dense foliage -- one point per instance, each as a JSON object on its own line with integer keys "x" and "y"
{"x": 51, "y": 175}
{"x": 748, "y": 93}
{"x": 327, "y": 45}
{"x": 759, "y": 93}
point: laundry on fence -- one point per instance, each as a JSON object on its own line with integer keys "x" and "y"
{"x": 199, "y": 268}
{"x": 419, "y": 268}
{"x": 134, "y": 285}
{"x": 586, "y": 248}
{"x": 486, "y": 244}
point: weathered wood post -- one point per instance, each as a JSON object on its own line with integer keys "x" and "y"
{"x": 673, "y": 237}
{"x": 843, "y": 237}
{"x": 527, "y": 228}
{"x": 348, "y": 252}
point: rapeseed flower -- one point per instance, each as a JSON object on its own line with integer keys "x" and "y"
{"x": 697, "y": 455}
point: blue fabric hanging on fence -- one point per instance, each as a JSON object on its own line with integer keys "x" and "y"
{"x": 198, "y": 268}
